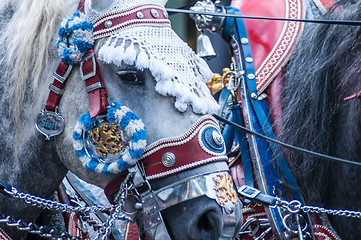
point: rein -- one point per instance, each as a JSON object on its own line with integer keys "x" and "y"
{"x": 288, "y": 146}
{"x": 332, "y": 22}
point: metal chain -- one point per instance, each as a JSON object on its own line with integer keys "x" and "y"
{"x": 35, "y": 229}
{"x": 103, "y": 230}
{"x": 53, "y": 205}
{"x": 116, "y": 213}
{"x": 295, "y": 206}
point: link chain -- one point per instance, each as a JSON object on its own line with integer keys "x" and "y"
{"x": 35, "y": 229}
{"x": 125, "y": 186}
{"x": 295, "y": 206}
{"x": 53, "y": 205}
{"x": 103, "y": 230}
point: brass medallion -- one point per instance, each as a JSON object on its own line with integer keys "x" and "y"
{"x": 108, "y": 138}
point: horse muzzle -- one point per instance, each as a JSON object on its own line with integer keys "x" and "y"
{"x": 174, "y": 171}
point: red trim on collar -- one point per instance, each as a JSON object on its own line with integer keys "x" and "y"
{"x": 3, "y": 235}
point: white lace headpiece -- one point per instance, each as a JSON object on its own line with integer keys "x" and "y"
{"x": 179, "y": 72}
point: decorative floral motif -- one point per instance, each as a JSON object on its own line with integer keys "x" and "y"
{"x": 75, "y": 38}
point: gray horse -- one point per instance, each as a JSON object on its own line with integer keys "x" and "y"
{"x": 165, "y": 89}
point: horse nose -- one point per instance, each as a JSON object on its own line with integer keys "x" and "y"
{"x": 207, "y": 224}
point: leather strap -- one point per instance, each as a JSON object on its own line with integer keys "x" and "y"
{"x": 81, "y": 6}
{"x": 57, "y": 87}
{"x": 256, "y": 195}
{"x": 149, "y": 15}
{"x": 268, "y": 174}
{"x": 113, "y": 186}
{"x": 195, "y": 148}
{"x": 244, "y": 148}
{"x": 97, "y": 92}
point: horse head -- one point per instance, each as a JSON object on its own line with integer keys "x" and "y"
{"x": 182, "y": 175}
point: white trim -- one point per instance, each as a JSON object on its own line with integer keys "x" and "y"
{"x": 187, "y": 166}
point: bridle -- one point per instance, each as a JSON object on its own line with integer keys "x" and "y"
{"x": 201, "y": 145}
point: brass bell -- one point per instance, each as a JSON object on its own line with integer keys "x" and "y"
{"x": 204, "y": 47}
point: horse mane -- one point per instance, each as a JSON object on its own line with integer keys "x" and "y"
{"x": 27, "y": 37}
{"x": 323, "y": 69}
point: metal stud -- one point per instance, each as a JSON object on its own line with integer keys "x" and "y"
{"x": 251, "y": 76}
{"x": 249, "y": 59}
{"x": 165, "y": 14}
{"x": 168, "y": 159}
{"x": 254, "y": 96}
{"x": 154, "y": 13}
{"x": 244, "y": 40}
{"x": 108, "y": 24}
{"x": 217, "y": 138}
{"x": 140, "y": 15}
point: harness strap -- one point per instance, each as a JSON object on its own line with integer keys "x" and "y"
{"x": 260, "y": 122}
{"x": 244, "y": 148}
{"x": 97, "y": 92}
{"x": 61, "y": 76}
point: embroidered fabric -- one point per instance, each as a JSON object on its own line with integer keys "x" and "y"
{"x": 178, "y": 71}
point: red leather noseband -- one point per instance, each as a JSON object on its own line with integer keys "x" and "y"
{"x": 200, "y": 145}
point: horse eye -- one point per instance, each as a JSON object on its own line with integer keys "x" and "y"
{"x": 130, "y": 77}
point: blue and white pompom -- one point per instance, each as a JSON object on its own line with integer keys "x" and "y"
{"x": 128, "y": 122}
{"x": 75, "y": 38}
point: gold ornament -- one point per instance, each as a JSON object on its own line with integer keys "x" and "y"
{"x": 224, "y": 187}
{"x": 108, "y": 138}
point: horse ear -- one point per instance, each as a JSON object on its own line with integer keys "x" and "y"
{"x": 101, "y": 5}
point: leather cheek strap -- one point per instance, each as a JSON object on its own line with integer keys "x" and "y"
{"x": 95, "y": 86}
{"x": 57, "y": 87}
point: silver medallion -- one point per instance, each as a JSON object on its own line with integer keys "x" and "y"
{"x": 49, "y": 123}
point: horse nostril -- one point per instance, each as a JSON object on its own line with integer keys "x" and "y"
{"x": 204, "y": 223}
{"x": 206, "y": 226}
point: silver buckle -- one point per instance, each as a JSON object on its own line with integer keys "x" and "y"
{"x": 55, "y": 89}
{"x": 91, "y": 74}
{"x": 66, "y": 74}
{"x": 248, "y": 192}
{"x": 94, "y": 86}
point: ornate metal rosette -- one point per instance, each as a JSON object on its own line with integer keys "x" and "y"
{"x": 112, "y": 143}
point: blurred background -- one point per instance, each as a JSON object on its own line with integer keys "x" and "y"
{"x": 185, "y": 27}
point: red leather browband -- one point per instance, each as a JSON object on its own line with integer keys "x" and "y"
{"x": 112, "y": 22}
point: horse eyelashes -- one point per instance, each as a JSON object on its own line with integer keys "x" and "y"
{"x": 130, "y": 78}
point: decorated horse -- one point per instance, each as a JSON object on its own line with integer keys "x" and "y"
{"x": 310, "y": 100}
{"x": 124, "y": 112}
